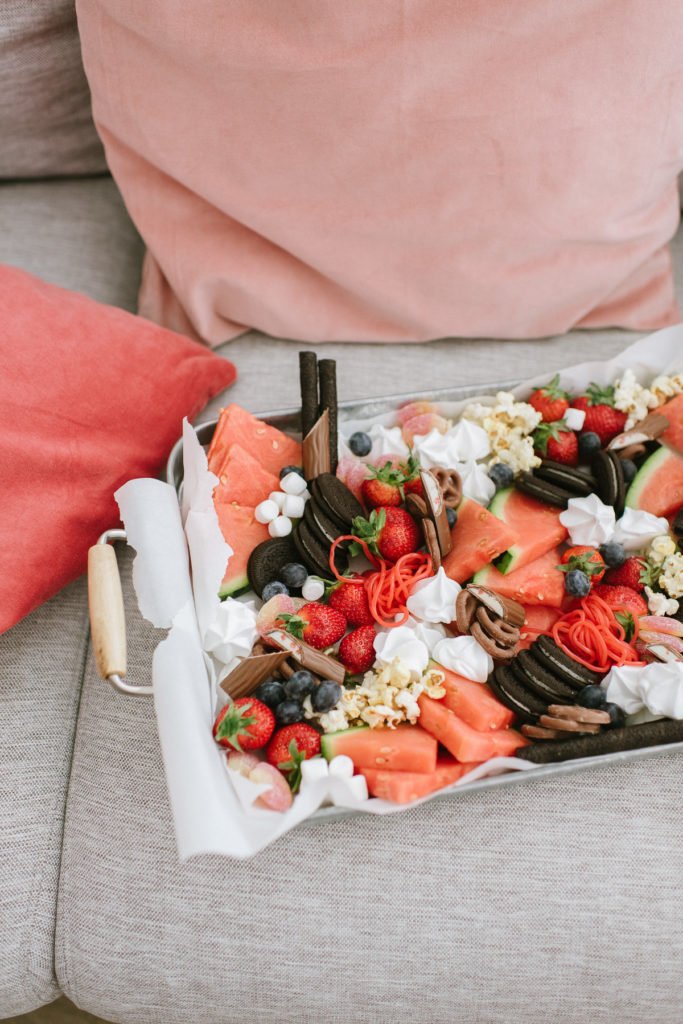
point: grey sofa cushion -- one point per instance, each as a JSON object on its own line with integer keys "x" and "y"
{"x": 46, "y": 125}
{"x": 549, "y": 901}
{"x": 77, "y": 234}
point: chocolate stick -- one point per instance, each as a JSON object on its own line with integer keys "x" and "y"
{"x": 327, "y": 369}
{"x": 308, "y": 376}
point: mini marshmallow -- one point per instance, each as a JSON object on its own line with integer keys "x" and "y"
{"x": 358, "y": 786}
{"x": 266, "y": 511}
{"x": 306, "y": 494}
{"x": 341, "y": 767}
{"x": 313, "y": 769}
{"x": 278, "y": 497}
{"x": 293, "y": 483}
{"x": 293, "y": 505}
{"x": 575, "y": 418}
{"x": 313, "y": 589}
{"x": 280, "y": 527}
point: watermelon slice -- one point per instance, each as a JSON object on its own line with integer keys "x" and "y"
{"x": 540, "y": 582}
{"x": 537, "y": 526}
{"x": 269, "y": 446}
{"x": 465, "y": 743}
{"x": 243, "y": 480}
{"x": 242, "y": 533}
{"x": 478, "y": 537}
{"x": 407, "y": 748}
{"x": 658, "y": 485}
{"x": 404, "y": 787}
{"x": 474, "y": 703}
{"x": 537, "y": 619}
{"x": 673, "y": 435}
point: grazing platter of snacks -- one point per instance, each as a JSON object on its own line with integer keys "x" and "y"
{"x": 399, "y": 599}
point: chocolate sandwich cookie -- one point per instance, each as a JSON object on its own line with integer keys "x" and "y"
{"x": 540, "y": 680}
{"x": 322, "y": 525}
{"x": 267, "y": 559}
{"x": 571, "y": 672}
{"x": 544, "y": 491}
{"x": 315, "y": 554}
{"x": 609, "y": 479}
{"x": 566, "y": 477}
{"x": 513, "y": 695}
{"x": 631, "y": 737}
{"x": 334, "y": 498}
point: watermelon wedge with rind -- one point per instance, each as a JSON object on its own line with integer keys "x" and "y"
{"x": 540, "y": 582}
{"x": 243, "y": 533}
{"x": 405, "y": 748}
{"x": 658, "y": 485}
{"x": 269, "y": 446}
{"x": 477, "y": 537}
{"x": 673, "y": 435}
{"x": 537, "y": 525}
{"x": 474, "y": 702}
{"x": 243, "y": 479}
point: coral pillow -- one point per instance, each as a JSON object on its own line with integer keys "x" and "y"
{"x": 395, "y": 171}
{"x": 90, "y": 397}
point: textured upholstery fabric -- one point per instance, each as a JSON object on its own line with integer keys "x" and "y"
{"x": 77, "y": 234}
{"x": 546, "y": 902}
{"x": 46, "y": 125}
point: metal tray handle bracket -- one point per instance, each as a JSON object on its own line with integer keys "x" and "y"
{"x": 107, "y": 617}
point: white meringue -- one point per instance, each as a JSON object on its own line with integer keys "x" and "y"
{"x": 465, "y": 442}
{"x": 636, "y": 529}
{"x": 657, "y": 687}
{"x": 433, "y": 599}
{"x": 402, "y": 643}
{"x": 476, "y": 483}
{"x": 466, "y": 657}
{"x": 386, "y": 441}
{"x": 233, "y": 632}
{"x": 430, "y": 634}
{"x": 588, "y": 520}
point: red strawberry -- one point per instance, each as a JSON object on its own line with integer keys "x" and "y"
{"x": 622, "y": 598}
{"x": 245, "y": 724}
{"x": 634, "y": 573}
{"x": 384, "y": 486}
{"x": 557, "y": 442}
{"x": 550, "y": 400}
{"x": 389, "y": 532}
{"x": 289, "y": 747}
{"x": 414, "y": 486}
{"x": 318, "y": 624}
{"x": 585, "y": 558}
{"x": 601, "y": 416}
{"x": 357, "y": 652}
{"x": 351, "y": 600}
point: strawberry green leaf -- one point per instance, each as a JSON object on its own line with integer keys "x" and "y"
{"x": 553, "y": 390}
{"x": 292, "y": 768}
{"x": 625, "y": 619}
{"x": 599, "y": 395}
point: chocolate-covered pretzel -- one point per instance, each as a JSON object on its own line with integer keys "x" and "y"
{"x": 466, "y": 606}
{"x": 499, "y": 630}
{"x": 451, "y": 485}
{"x": 501, "y": 652}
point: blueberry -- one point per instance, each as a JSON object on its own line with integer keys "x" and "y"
{"x": 271, "y": 693}
{"x": 294, "y": 575}
{"x": 291, "y": 469}
{"x": 299, "y": 685}
{"x": 576, "y": 583}
{"x": 289, "y": 712}
{"x": 616, "y": 714}
{"x": 452, "y": 517}
{"x": 589, "y": 443}
{"x": 501, "y": 475}
{"x": 272, "y": 589}
{"x": 629, "y": 469}
{"x": 360, "y": 443}
{"x": 591, "y": 697}
{"x": 613, "y": 554}
{"x": 326, "y": 696}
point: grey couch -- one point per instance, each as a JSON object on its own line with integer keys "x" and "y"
{"x": 556, "y": 901}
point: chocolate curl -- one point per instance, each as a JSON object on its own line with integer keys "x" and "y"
{"x": 251, "y": 672}
{"x": 316, "y": 448}
{"x": 308, "y": 376}
{"x": 327, "y": 369}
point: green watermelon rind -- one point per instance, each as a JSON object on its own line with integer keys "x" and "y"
{"x": 327, "y": 741}
{"x": 240, "y": 585}
{"x": 645, "y": 474}
{"x": 506, "y": 562}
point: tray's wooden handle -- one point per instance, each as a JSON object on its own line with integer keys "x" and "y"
{"x": 107, "y": 617}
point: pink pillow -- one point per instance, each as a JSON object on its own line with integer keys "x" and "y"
{"x": 90, "y": 397}
{"x": 352, "y": 170}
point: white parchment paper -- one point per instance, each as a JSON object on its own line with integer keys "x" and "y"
{"x": 180, "y": 563}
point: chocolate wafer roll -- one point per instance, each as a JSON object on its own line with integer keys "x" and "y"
{"x": 631, "y": 737}
{"x": 308, "y": 376}
{"x": 327, "y": 370}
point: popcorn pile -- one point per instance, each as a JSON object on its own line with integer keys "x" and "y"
{"x": 637, "y": 401}
{"x": 509, "y": 425}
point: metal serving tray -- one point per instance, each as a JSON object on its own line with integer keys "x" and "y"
{"x": 289, "y": 421}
